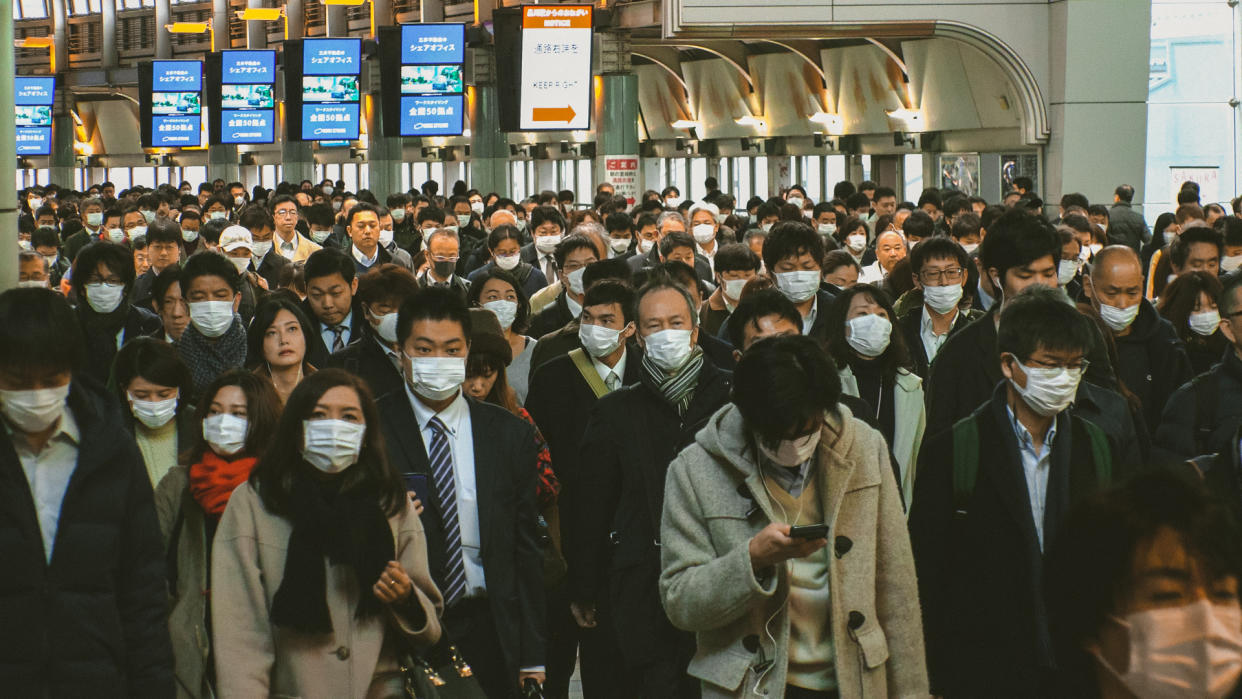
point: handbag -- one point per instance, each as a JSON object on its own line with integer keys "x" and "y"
{"x": 440, "y": 673}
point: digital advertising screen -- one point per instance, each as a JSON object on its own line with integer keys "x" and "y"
{"x": 430, "y": 86}
{"x": 171, "y": 103}
{"x": 246, "y": 101}
{"x": 329, "y": 92}
{"x": 33, "y": 98}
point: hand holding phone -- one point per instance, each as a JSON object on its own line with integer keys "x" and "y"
{"x": 809, "y": 531}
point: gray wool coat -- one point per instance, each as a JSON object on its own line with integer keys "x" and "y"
{"x": 715, "y": 502}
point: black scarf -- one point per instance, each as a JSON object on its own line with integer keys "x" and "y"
{"x": 207, "y": 359}
{"x": 347, "y": 528}
{"x": 100, "y": 331}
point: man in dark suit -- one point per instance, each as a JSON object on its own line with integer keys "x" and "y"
{"x": 376, "y": 357}
{"x": 561, "y": 396}
{"x": 941, "y": 270}
{"x": 267, "y": 262}
{"x": 573, "y": 255}
{"x": 673, "y": 222}
{"x": 716, "y": 348}
{"x": 547, "y": 227}
{"x": 477, "y": 464}
{"x": 565, "y": 339}
{"x": 989, "y": 498}
{"x": 336, "y": 321}
{"x": 633, "y": 434}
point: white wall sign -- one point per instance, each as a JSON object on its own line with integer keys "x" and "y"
{"x": 556, "y": 68}
{"x": 621, "y": 171}
{"x": 1208, "y": 179}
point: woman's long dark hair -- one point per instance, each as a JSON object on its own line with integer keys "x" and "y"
{"x": 264, "y": 316}
{"x": 262, "y": 413}
{"x": 894, "y": 357}
{"x": 521, "y": 322}
{"x": 282, "y": 463}
{"x": 1179, "y": 299}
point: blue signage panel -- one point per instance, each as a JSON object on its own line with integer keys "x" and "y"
{"x": 34, "y": 90}
{"x": 429, "y": 44}
{"x": 330, "y": 121}
{"x": 33, "y": 98}
{"x": 432, "y": 115}
{"x": 247, "y": 126}
{"x": 176, "y": 76}
{"x": 247, "y": 67}
{"x": 331, "y": 57}
{"x": 175, "y": 131}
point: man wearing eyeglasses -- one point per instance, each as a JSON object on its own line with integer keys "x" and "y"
{"x": 443, "y": 251}
{"x": 990, "y": 496}
{"x": 289, "y": 243}
{"x": 938, "y": 266}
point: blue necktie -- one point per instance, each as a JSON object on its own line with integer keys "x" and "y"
{"x": 446, "y": 490}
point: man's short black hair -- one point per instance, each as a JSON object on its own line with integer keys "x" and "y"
{"x": 929, "y": 196}
{"x": 843, "y": 189}
{"x": 1017, "y": 239}
{"x": 736, "y": 257}
{"x": 397, "y": 200}
{"x": 609, "y": 291}
{"x": 209, "y": 264}
{"x": 164, "y": 230}
{"x": 543, "y": 214}
{"x": 1230, "y": 300}
{"x": 1179, "y": 251}
{"x": 882, "y": 192}
{"x": 1074, "y": 199}
{"x": 618, "y": 222}
{"x": 118, "y": 259}
{"x": 162, "y": 282}
{"x": 211, "y": 230}
{"x": 938, "y": 247}
{"x": 320, "y": 215}
{"x": 358, "y": 208}
{"x": 783, "y": 384}
{"x": 1124, "y": 193}
{"x": 857, "y": 200}
{"x": 837, "y": 259}
{"x": 431, "y": 212}
{"x": 41, "y": 332}
{"x": 954, "y": 205}
{"x": 673, "y": 240}
{"x": 791, "y": 239}
{"x": 45, "y": 236}
{"x": 433, "y": 303}
{"x": 919, "y": 225}
{"x": 328, "y": 261}
{"x": 281, "y": 199}
{"x": 614, "y": 268}
{"x": 1040, "y": 317}
{"x": 966, "y": 225}
{"x": 1231, "y": 228}
{"x": 760, "y": 304}
{"x": 570, "y": 244}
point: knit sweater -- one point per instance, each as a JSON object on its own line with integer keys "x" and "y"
{"x": 158, "y": 447}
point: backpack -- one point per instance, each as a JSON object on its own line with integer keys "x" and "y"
{"x": 966, "y": 458}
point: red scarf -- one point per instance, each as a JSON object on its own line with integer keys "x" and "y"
{"x": 213, "y": 479}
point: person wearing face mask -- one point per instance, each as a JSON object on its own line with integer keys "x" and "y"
{"x": 572, "y": 257}
{"x": 150, "y": 382}
{"x": 443, "y": 254}
{"x": 375, "y": 358}
{"x": 735, "y": 265}
{"x": 1189, "y": 304}
{"x": 498, "y": 292}
{"x": 940, "y": 268}
{"x": 469, "y": 227}
{"x": 478, "y": 465}
{"x": 621, "y": 235}
{"x": 276, "y": 343}
{"x": 874, "y": 365}
{"x": 853, "y": 235}
{"x": 32, "y": 270}
{"x": 504, "y": 244}
{"x": 104, "y": 276}
{"x": 1142, "y": 590}
{"x": 547, "y": 228}
{"x": 237, "y": 198}
{"x": 320, "y": 222}
{"x": 614, "y": 556}
{"x": 756, "y": 597}
{"x": 224, "y": 439}
{"x": 793, "y": 254}
{"x": 83, "y": 558}
{"x": 670, "y": 197}
{"x": 405, "y": 231}
{"x": 1152, "y": 360}
{"x": 265, "y": 261}
{"x": 388, "y": 243}
{"x": 215, "y": 339}
{"x": 353, "y": 582}
{"x": 992, "y": 494}
{"x": 218, "y": 208}
{"x": 704, "y": 228}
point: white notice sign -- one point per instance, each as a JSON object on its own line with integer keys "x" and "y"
{"x": 556, "y": 67}
{"x": 621, "y": 171}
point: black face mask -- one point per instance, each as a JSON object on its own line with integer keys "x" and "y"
{"x": 444, "y": 268}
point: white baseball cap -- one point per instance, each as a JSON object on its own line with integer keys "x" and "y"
{"x": 235, "y": 237}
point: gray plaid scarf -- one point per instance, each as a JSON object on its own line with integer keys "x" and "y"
{"x": 676, "y": 387}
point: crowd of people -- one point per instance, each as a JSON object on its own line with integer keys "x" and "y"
{"x": 308, "y": 442}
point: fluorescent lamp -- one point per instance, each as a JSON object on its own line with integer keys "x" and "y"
{"x": 684, "y": 124}
{"x": 833, "y": 123}
{"x": 187, "y": 27}
{"x": 750, "y": 120}
{"x": 260, "y": 14}
{"x": 913, "y": 117}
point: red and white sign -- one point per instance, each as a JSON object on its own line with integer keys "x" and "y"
{"x": 556, "y": 67}
{"x": 621, "y": 171}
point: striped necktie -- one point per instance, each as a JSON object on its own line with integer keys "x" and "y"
{"x": 441, "y": 456}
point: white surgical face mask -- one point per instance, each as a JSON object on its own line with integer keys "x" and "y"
{"x": 211, "y": 318}
{"x": 521, "y": 224}
{"x": 463, "y": 220}
{"x": 104, "y": 298}
{"x": 35, "y": 410}
{"x": 1048, "y": 391}
{"x": 385, "y": 237}
{"x": 239, "y": 200}
{"x": 35, "y": 203}
{"x": 385, "y": 326}
{"x": 1096, "y": 247}
{"x": 1118, "y": 319}
{"x": 733, "y": 288}
{"x": 326, "y": 189}
{"x": 670, "y": 202}
{"x": 546, "y": 244}
{"x": 225, "y": 434}
{"x": 148, "y": 215}
{"x": 508, "y": 262}
{"x": 619, "y": 245}
{"x": 790, "y": 453}
{"x": 856, "y": 242}
{"x": 721, "y": 218}
{"x": 94, "y": 218}
{"x": 1189, "y": 651}
{"x": 506, "y": 311}
{"x": 241, "y": 263}
{"x": 970, "y": 248}
{"x": 218, "y": 215}
{"x": 704, "y": 233}
{"x": 477, "y": 207}
{"x": 827, "y": 229}
{"x": 644, "y": 245}
{"x": 34, "y": 284}
{"x": 26, "y": 245}
{"x": 153, "y": 413}
{"x": 435, "y": 378}
{"x": 1230, "y": 263}
{"x": 942, "y": 299}
{"x": 398, "y": 215}
{"x": 765, "y": 227}
{"x": 137, "y": 232}
{"x": 795, "y": 201}
{"x": 189, "y": 236}
{"x": 1067, "y": 270}
{"x": 798, "y": 286}
{"x": 575, "y": 280}
{"x": 669, "y": 349}
{"x": 599, "y": 341}
{"x": 116, "y": 235}
{"x": 1205, "y": 323}
{"x": 320, "y": 236}
{"x": 869, "y": 335}
{"x": 332, "y": 445}
{"x": 261, "y": 248}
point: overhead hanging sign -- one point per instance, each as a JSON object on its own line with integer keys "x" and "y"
{"x": 171, "y": 103}
{"x": 430, "y": 85}
{"x": 247, "y": 103}
{"x": 556, "y": 68}
{"x": 331, "y": 96}
{"x": 33, "y": 98}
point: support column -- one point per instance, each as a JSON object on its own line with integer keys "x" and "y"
{"x": 384, "y": 155}
{"x": 222, "y": 161}
{"x": 489, "y": 146}
{"x": 545, "y": 175}
{"x": 616, "y": 118}
{"x": 338, "y": 20}
{"x": 780, "y": 174}
{"x": 163, "y": 39}
{"x": 297, "y": 157}
{"x": 63, "y": 160}
{"x": 256, "y": 32}
{"x": 108, "y": 55}
{"x": 8, "y": 154}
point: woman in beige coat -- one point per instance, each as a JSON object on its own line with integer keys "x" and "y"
{"x": 835, "y": 613}
{"x": 320, "y": 565}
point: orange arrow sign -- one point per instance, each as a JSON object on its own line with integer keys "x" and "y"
{"x": 565, "y": 114}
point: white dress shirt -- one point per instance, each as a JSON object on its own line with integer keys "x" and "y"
{"x": 808, "y": 321}
{"x": 48, "y": 473}
{"x": 287, "y": 249}
{"x": 575, "y": 308}
{"x": 931, "y": 341}
{"x": 329, "y": 337}
{"x": 605, "y": 371}
{"x": 456, "y": 419}
{"x": 1035, "y": 467}
{"x": 363, "y": 259}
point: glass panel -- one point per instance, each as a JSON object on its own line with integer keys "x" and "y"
{"x": 913, "y": 167}
{"x": 743, "y": 188}
{"x": 267, "y": 176}
{"x": 350, "y": 175}
{"x": 694, "y": 184}
{"x": 119, "y": 176}
{"x": 866, "y": 167}
{"x": 761, "y": 175}
{"x": 144, "y": 176}
{"x": 653, "y": 173}
{"x": 195, "y": 175}
{"x": 677, "y": 176}
{"x": 517, "y": 180}
{"x": 834, "y": 171}
{"x": 32, "y": 9}
{"x": 405, "y": 178}
{"x": 586, "y": 180}
{"x": 813, "y": 177}
{"x": 436, "y": 172}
